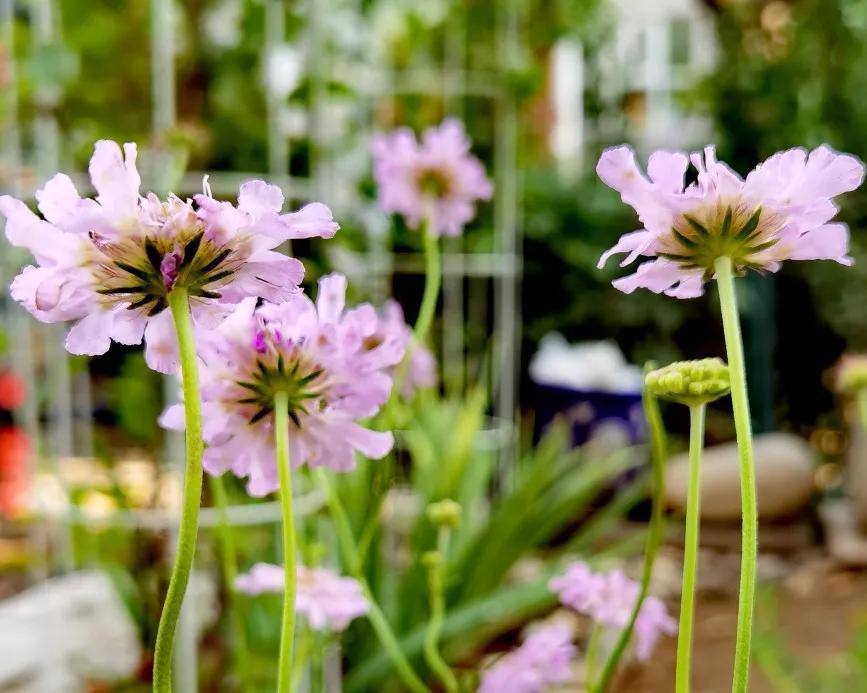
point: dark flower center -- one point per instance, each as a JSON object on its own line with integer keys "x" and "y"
{"x": 301, "y": 380}
{"x": 142, "y": 272}
{"x": 434, "y": 182}
{"x": 734, "y": 230}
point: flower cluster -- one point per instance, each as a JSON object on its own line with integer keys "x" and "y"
{"x": 781, "y": 211}
{"x": 110, "y": 263}
{"x": 324, "y": 357}
{"x": 542, "y": 660}
{"x": 436, "y": 179}
{"x": 328, "y": 601}
{"x": 608, "y": 599}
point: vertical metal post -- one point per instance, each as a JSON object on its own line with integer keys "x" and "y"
{"x": 317, "y": 74}
{"x": 278, "y": 144}
{"x": 454, "y": 317}
{"x": 507, "y": 318}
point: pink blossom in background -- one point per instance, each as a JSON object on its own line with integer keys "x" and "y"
{"x": 322, "y": 355}
{"x": 652, "y": 622}
{"x": 783, "y": 210}
{"x": 542, "y": 660}
{"x": 436, "y": 178}
{"x": 327, "y": 600}
{"x": 109, "y": 263}
{"x": 608, "y": 599}
{"x": 421, "y": 371}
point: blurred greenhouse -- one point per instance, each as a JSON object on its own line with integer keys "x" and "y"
{"x": 486, "y": 484}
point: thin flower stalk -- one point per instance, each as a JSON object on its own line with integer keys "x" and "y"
{"x": 192, "y": 493}
{"x": 656, "y": 529}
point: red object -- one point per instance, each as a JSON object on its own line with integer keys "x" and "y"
{"x": 14, "y": 466}
{"x": 12, "y": 391}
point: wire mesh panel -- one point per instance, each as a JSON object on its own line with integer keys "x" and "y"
{"x": 305, "y": 51}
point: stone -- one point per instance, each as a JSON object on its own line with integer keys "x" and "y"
{"x": 784, "y": 466}
{"x": 65, "y": 631}
{"x": 68, "y": 631}
{"x": 846, "y": 540}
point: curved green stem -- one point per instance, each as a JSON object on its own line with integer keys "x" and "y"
{"x": 353, "y": 563}
{"x": 655, "y": 533}
{"x": 432, "y": 282}
{"x": 192, "y": 493}
{"x": 287, "y": 627}
{"x": 435, "y": 563}
{"x": 690, "y": 549}
{"x": 229, "y": 555}
{"x": 749, "y": 504}
{"x": 427, "y": 310}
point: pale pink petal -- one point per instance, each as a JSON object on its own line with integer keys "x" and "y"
{"x": 173, "y": 418}
{"x": 52, "y": 294}
{"x": 129, "y": 326}
{"x": 48, "y": 244}
{"x": 634, "y": 243}
{"x": 828, "y": 174}
{"x": 91, "y": 335}
{"x": 116, "y": 179}
{"x": 161, "y": 346}
{"x": 258, "y": 198}
{"x": 667, "y": 169}
{"x": 828, "y": 242}
{"x": 311, "y": 221}
{"x": 331, "y": 298}
{"x": 372, "y": 444}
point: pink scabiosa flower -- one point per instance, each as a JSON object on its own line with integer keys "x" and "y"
{"x": 542, "y": 660}
{"x": 327, "y": 600}
{"x": 608, "y": 599}
{"x": 783, "y": 210}
{"x": 436, "y": 179}
{"x": 109, "y": 263}
{"x": 320, "y": 355}
{"x": 421, "y": 367}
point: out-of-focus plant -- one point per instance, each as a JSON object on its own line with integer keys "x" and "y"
{"x": 551, "y": 506}
{"x": 788, "y": 672}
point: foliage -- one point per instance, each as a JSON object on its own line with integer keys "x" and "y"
{"x": 553, "y": 504}
{"x": 790, "y": 673}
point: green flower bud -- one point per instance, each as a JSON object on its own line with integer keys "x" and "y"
{"x": 432, "y": 559}
{"x": 445, "y": 513}
{"x": 690, "y": 382}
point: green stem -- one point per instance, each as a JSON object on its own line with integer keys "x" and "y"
{"x": 426, "y": 312}
{"x": 690, "y": 549}
{"x": 749, "y": 505}
{"x": 353, "y": 563}
{"x": 287, "y": 628}
{"x": 192, "y": 493}
{"x": 432, "y": 282}
{"x": 300, "y": 659}
{"x": 435, "y": 562}
{"x": 591, "y": 657}
{"x": 229, "y": 556}
{"x": 656, "y": 529}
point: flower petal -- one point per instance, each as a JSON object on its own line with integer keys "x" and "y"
{"x": 331, "y": 298}
{"x": 257, "y": 198}
{"x": 116, "y": 179}
{"x": 92, "y": 334}
{"x": 161, "y": 346}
